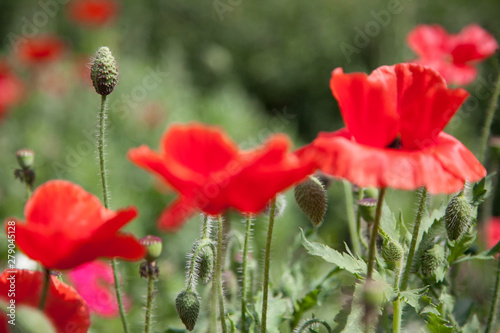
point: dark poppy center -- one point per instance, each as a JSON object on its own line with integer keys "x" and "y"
{"x": 396, "y": 144}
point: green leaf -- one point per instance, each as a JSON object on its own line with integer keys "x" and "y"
{"x": 436, "y": 324}
{"x": 485, "y": 255}
{"x": 429, "y": 238}
{"x": 494, "y": 250}
{"x": 458, "y": 247}
{"x": 304, "y": 304}
{"x": 482, "y": 189}
{"x": 418, "y": 300}
{"x": 388, "y": 223}
{"x": 472, "y": 326}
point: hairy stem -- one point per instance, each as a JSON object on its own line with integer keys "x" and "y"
{"x": 149, "y": 304}
{"x": 494, "y": 303}
{"x": 398, "y": 308}
{"x": 266, "y": 265}
{"x": 45, "y": 288}
{"x": 490, "y": 113}
{"x": 218, "y": 275}
{"x": 373, "y": 238}
{"x": 353, "y": 230}
{"x": 244, "y": 277}
{"x": 414, "y": 237}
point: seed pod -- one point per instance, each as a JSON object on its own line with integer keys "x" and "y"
{"x": 104, "y": 72}
{"x": 368, "y": 205}
{"x": 25, "y": 158}
{"x": 206, "y": 264}
{"x": 458, "y": 216}
{"x": 431, "y": 259}
{"x": 187, "y": 305}
{"x": 392, "y": 251}
{"x": 310, "y": 195}
{"x": 153, "y": 246}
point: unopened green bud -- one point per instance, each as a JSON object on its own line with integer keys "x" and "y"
{"x": 431, "y": 259}
{"x": 187, "y": 305}
{"x": 25, "y": 158}
{"x": 310, "y": 195}
{"x": 458, "y": 216}
{"x": 153, "y": 246}
{"x": 104, "y": 72}
{"x": 368, "y": 205}
{"x": 373, "y": 293}
{"x": 206, "y": 264}
{"x": 392, "y": 251}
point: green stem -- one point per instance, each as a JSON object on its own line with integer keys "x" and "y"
{"x": 218, "y": 275}
{"x": 102, "y": 166}
{"x": 490, "y": 113}
{"x": 266, "y": 266}
{"x": 358, "y": 220}
{"x": 353, "y": 230}
{"x": 45, "y": 289}
{"x": 244, "y": 277}
{"x": 373, "y": 238}
{"x": 199, "y": 245}
{"x": 398, "y": 308}
{"x": 414, "y": 237}
{"x": 494, "y": 303}
{"x": 149, "y": 304}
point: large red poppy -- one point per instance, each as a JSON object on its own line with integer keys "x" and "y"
{"x": 40, "y": 49}
{"x": 93, "y": 13}
{"x": 211, "y": 174}
{"x": 452, "y": 55}
{"x": 11, "y": 88}
{"x": 393, "y": 137}
{"x": 67, "y": 226}
{"x": 66, "y": 309}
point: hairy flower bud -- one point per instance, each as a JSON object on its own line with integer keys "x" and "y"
{"x": 25, "y": 158}
{"x": 206, "y": 264}
{"x": 431, "y": 259}
{"x": 368, "y": 205}
{"x": 458, "y": 216}
{"x": 187, "y": 305}
{"x": 392, "y": 251}
{"x": 310, "y": 195}
{"x": 104, "y": 72}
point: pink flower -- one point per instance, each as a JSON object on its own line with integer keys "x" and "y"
{"x": 94, "y": 282}
{"x": 453, "y": 56}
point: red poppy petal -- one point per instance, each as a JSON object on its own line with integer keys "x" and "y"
{"x": 63, "y": 306}
{"x": 452, "y": 73}
{"x": 406, "y": 170}
{"x": 174, "y": 216}
{"x": 368, "y": 104}
{"x": 200, "y": 148}
{"x": 429, "y": 41}
{"x": 473, "y": 43}
{"x": 181, "y": 178}
{"x": 62, "y": 205}
{"x": 422, "y": 119}
{"x": 493, "y": 230}
{"x": 123, "y": 246}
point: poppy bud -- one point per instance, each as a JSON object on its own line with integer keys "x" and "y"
{"x": 368, "y": 205}
{"x": 431, "y": 259}
{"x": 392, "y": 251}
{"x": 25, "y": 158}
{"x": 310, "y": 195}
{"x": 104, "y": 72}
{"x": 206, "y": 264}
{"x": 458, "y": 216}
{"x": 153, "y": 247}
{"x": 373, "y": 293}
{"x": 187, "y": 305}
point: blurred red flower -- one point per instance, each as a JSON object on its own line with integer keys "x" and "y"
{"x": 63, "y": 307}
{"x": 11, "y": 88}
{"x": 453, "y": 56}
{"x": 393, "y": 137}
{"x": 93, "y": 13}
{"x": 211, "y": 174}
{"x": 40, "y": 50}
{"x": 67, "y": 226}
{"x": 493, "y": 231}
{"x": 94, "y": 282}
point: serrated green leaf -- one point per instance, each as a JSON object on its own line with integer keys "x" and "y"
{"x": 418, "y": 300}
{"x": 436, "y": 324}
{"x": 429, "y": 238}
{"x": 304, "y": 304}
{"x": 473, "y": 326}
{"x": 458, "y": 247}
{"x": 388, "y": 223}
{"x": 482, "y": 189}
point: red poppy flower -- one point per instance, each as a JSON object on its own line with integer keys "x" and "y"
{"x": 393, "y": 137}
{"x": 66, "y": 227}
{"x": 94, "y": 282}
{"x": 11, "y": 88}
{"x": 452, "y": 55}
{"x": 40, "y": 50}
{"x": 63, "y": 306}
{"x": 493, "y": 231}
{"x": 211, "y": 174}
{"x": 93, "y": 13}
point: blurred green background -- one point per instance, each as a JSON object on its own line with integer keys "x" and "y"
{"x": 252, "y": 67}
